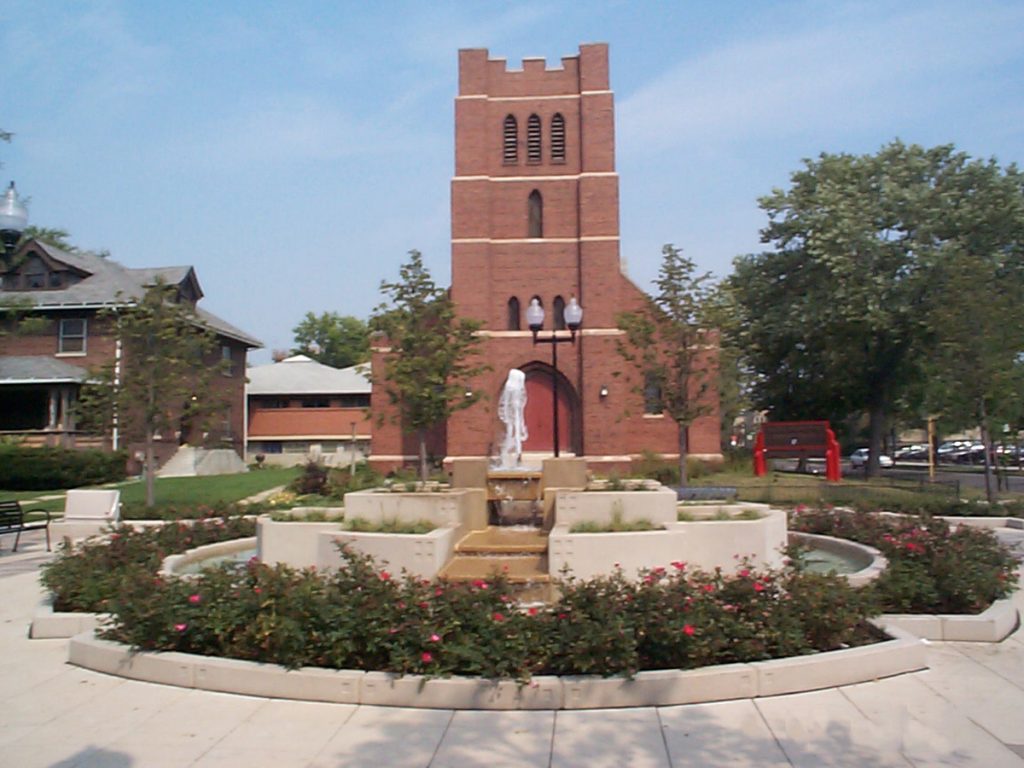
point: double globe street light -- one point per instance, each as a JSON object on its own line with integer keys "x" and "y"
{"x": 573, "y": 316}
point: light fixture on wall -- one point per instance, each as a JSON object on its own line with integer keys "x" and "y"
{"x": 603, "y": 392}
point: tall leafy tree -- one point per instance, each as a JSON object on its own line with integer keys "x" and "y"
{"x": 164, "y": 378}
{"x": 433, "y": 352}
{"x": 672, "y": 344}
{"x": 332, "y": 339}
{"x": 976, "y": 369}
{"x": 844, "y": 315}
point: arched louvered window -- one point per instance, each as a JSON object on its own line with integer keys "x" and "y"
{"x": 558, "y": 139}
{"x": 535, "y": 215}
{"x": 510, "y": 141}
{"x": 558, "y": 310}
{"x": 533, "y": 140}
{"x": 513, "y": 314}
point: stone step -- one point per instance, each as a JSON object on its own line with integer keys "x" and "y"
{"x": 518, "y": 569}
{"x": 498, "y": 540}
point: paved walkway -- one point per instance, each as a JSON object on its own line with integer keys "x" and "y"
{"x": 966, "y": 710}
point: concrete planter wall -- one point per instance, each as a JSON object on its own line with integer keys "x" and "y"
{"x": 657, "y": 507}
{"x": 290, "y": 543}
{"x": 453, "y": 508}
{"x": 655, "y": 688}
{"x": 700, "y": 544}
{"x": 173, "y": 564}
{"x": 871, "y": 562}
{"x": 422, "y": 555}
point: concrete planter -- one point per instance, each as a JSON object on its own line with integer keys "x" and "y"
{"x": 173, "y": 564}
{"x": 423, "y": 555}
{"x": 701, "y": 544}
{"x": 990, "y": 626}
{"x": 646, "y": 689}
{"x": 601, "y": 507}
{"x": 872, "y": 562}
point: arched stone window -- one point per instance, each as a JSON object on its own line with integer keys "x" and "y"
{"x": 510, "y": 141}
{"x": 558, "y": 310}
{"x": 513, "y": 314}
{"x": 558, "y": 139}
{"x": 535, "y": 215}
{"x": 533, "y": 154}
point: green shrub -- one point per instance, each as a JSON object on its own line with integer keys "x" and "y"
{"x": 139, "y": 511}
{"x": 87, "y": 577}
{"x": 313, "y": 479}
{"x": 389, "y": 526}
{"x": 932, "y": 569}
{"x": 340, "y": 480}
{"x": 362, "y": 617}
{"x": 45, "y": 469}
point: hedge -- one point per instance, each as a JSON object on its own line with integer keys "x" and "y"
{"x": 45, "y": 469}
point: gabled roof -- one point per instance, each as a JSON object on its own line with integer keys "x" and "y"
{"x": 300, "y": 375}
{"x": 110, "y": 284}
{"x": 39, "y": 370}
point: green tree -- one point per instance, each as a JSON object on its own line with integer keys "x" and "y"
{"x": 673, "y": 346}
{"x": 163, "y": 378}
{"x": 975, "y": 368}
{"x": 832, "y": 317}
{"x": 332, "y": 339}
{"x": 431, "y": 364}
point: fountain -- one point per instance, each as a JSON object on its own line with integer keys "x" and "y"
{"x": 511, "y": 410}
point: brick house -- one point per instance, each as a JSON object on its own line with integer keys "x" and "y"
{"x": 51, "y": 335}
{"x": 299, "y": 408}
{"x": 535, "y": 214}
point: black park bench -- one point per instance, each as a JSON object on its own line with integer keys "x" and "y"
{"x": 12, "y": 519}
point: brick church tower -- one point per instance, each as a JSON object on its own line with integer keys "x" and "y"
{"x": 535, "y": 214}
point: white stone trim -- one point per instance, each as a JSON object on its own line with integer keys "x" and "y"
{"x": 546, "y": 177}
{"x": 551, "y": 97}
{"x": 538, "y": 240}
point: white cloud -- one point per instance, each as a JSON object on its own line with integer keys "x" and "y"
{"x": 856, "y": 70}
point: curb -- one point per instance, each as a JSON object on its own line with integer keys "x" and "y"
{"x": 654, "y": 688}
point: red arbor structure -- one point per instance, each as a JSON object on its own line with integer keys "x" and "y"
{"x": 797, "y": 440}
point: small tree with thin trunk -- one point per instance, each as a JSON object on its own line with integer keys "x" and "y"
{"x": 163, "y": 378}
{"x": 431, "y": 364}
{"x": 671, "y": 345}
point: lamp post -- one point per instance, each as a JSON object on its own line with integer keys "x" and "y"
{"x": 13, "y": 220}
{"x": 573, "y": 316}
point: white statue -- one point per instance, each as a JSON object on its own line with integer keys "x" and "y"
{"x": 511, "y": 407}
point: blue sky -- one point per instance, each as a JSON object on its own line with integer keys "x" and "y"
{"x": 294, "y": 152}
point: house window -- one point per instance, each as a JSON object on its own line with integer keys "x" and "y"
{"x": 273, "y": 402}
{"x": 270, "y": 446}
{"x": 535, "y": 214}
{"x": 35, "y": 280}
{"x": 72, "y": 336}
{"x": 510, "y": 141}
{"x": 316, "y": 402}
{"x": 226, "y": 362}
{"x": 354, "y": 401}
{"x": 55, "y": 280}
{"x": 296, "y": 446}
{"x": 557, "y": 139}
{"x": 513, "y": 314}
{"x": 558, "y": 308}
{"x": 653, "y": 403}
{"x": 533, "y": 154}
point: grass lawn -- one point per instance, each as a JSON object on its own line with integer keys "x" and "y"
{"x": 210, "y": 489}
{"x": 171, "y": 491}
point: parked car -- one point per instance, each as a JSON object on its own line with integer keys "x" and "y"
{"x": 859, "y": 458}
{"x": 916, "y": 452}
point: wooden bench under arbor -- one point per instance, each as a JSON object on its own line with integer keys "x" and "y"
{"x": 12, "y": 520}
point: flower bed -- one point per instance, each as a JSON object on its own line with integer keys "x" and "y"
{"x": 86, "y": 576}
{"x": 932, "y": 568}
{"x": 362, "y": 618}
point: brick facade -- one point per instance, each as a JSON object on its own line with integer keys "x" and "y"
{"x": 496, "y": 256}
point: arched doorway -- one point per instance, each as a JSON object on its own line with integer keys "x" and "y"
{"x": 538, "y": 415}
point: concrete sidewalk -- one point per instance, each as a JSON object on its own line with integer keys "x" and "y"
{"x": 966, "y": 710}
